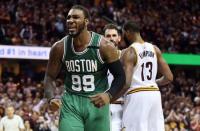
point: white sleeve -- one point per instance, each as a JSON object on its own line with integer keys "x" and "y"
{"x": 1, "y": 125}
{"x": 21, "y": 123}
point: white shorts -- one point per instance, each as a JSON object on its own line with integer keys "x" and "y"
{"x": 116, "y": 117}
{"x": 143, "y": 112}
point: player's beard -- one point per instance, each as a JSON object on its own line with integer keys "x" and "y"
{"x": 79, "y": 30}
{"x": 127, "y": 41}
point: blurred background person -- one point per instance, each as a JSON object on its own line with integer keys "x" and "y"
{"x": 111, "y": 32}
{"x": 11, "y": 122}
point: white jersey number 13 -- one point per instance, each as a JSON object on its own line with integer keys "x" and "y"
{"x": 148, "y": 66}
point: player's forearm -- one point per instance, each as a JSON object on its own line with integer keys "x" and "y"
{"x": 49, "y": 86}
{"x": 119, "y": 78}
{"x": 163, "y": 81}
{"x": 120, "y": 94}
{"x": 117, "y": 85}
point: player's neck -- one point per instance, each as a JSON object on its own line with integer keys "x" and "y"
{"x": 81, "y": 42}
{"x": 139, "y": 39}
{"x": 10, "y": 116}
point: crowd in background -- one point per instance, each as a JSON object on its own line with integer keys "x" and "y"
{"x": 181, "y": 102}
{"x": 172, "y": 25}
{"x": 26, "y": 96}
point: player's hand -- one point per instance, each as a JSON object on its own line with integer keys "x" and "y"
{"x": 54, "y": 104}
{"x": 100, "y": 99}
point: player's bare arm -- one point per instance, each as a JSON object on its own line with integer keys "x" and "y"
{"x": 53, "y": 68}
{"x": 128, "y": 60}
{"x": 109, "y": 54}
{"x": 108, "y": 51}
{"x": 164, "y": 69}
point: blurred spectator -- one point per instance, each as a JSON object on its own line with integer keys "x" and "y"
{"x": 27, "y": 34}
{"x": 27, "y": 126}
{"x": 2, "y": 34}
{"x": 181, "y": 102}
{"x": 173, "y": 26}
{"x": 1, "y": 112}
{"x": 11, "y": 122}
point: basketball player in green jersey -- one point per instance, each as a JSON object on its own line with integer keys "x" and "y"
{"x": 86, "y": 56}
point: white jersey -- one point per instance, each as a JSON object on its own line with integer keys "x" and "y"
{"x": 145, "y": 70}
{"x": 14, "y": 124}
{"x": 142, "y": 109}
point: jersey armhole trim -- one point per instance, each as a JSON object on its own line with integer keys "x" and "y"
{"x": 154, "y": 50}
{"x": 65, "y": 46}
{"x": 98, "y": 51}
{"x": 135, "y": 52}
{"x": 85, "y": 50}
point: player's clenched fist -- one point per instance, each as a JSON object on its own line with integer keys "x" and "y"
{"x": 54, "y": 104}
{"x": 100, "y": 99}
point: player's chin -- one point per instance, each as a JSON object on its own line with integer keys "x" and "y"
{"x": 73, "y": 33}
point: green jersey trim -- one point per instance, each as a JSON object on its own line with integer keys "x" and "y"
{"x": 98, "y": 51}
{"x": 65, "y": 41}
{"x": 85, "y": 50}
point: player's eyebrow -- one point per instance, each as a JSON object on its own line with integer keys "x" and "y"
{"x": 108, "y": 35}
{"x": 73, "y": 16}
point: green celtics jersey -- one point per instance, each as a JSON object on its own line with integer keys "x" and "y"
{"x": 86, "y": 73}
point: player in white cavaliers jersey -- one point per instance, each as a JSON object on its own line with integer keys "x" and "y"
{"x": 112, "y": 34}
{"x": 142, "y": 103}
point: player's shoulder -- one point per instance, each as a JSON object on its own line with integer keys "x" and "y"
{"x": 4, "y": 118}
{"x": 157, "y": 50}
{"x": 128, "y": 54}
{"x": 151, "y": 44}
{"x": 106, "y": 43}
{"x": 103, "y": 40}
{"x": 106, "y": 46}
{"x": 61, "y": 41}
{"x": 58, "y": 47}
{"x": 17, "y": 116}
{"x": 129, "y": 50}
{"x": 59, "y": 44}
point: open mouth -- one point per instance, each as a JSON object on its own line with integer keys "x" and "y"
{"x": 71, "y": 29}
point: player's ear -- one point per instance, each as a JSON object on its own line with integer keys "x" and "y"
{"x": 128, "y": 33}
{"x": 86, "y": 21}
{"x": 119, "y": 38}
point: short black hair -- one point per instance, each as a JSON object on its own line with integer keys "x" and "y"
{"x": 82, "y": 8}
{"x": 132, "y": 26}
{"x": 110, "y": 26}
